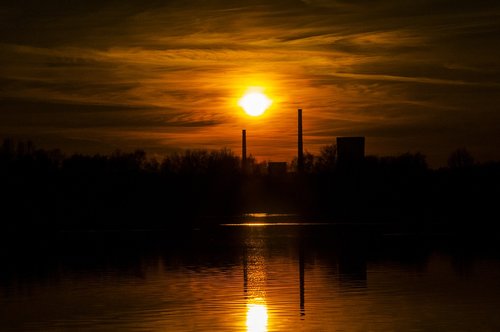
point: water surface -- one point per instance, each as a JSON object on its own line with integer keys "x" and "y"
{"x": 261, "y": 278}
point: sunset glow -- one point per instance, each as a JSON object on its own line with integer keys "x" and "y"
{"x": 250, "y": 166}
{"x": 402, "y": 79}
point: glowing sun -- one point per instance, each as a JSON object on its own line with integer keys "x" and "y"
{"x": 255, "y": 103}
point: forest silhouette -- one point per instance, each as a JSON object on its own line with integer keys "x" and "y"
{"x": 49, "y": 190}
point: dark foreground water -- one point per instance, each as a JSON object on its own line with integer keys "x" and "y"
{"x": 251, "y": 278}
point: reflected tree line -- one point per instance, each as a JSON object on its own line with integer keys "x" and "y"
{"x": 47, "y": 189}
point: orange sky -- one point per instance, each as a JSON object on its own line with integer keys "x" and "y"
{"x": 98, "y": 76}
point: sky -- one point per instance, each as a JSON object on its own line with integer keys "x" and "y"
{"x": 96, "y": 76}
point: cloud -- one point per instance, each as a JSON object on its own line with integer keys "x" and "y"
{"x": 169, "y": 74}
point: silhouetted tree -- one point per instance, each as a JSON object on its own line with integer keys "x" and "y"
{"x": 460, "y": 158}
{"x": 327, "y": 159}
{"x": 202, "y": 162}
{"x": 8, "y": 147}
{"x": 127, "y": 161}
{"x": 405, "y": 164}
{"x": 309, "y": 161}
{"x": 152, "y": 165}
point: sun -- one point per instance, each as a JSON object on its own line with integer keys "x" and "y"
{"x": 255, "y": 103}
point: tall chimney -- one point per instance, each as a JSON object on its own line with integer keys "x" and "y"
{"x": 300, "y": 154}
{"x": 244, "y": 150}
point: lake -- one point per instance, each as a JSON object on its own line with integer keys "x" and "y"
{"x": 260, "y": 277}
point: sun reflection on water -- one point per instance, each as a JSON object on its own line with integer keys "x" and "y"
{"x": 256, "y": 317}
{"x": 255, "y": 280}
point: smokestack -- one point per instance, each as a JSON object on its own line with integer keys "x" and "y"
{"x": 244, "y": 150}
{"x": 300, "y": 154}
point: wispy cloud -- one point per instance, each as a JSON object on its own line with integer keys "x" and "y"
{"x": 170, "y": 74}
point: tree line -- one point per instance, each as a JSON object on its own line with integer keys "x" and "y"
{"x": 47, "y": 189}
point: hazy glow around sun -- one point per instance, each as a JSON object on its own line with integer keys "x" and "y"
{"x": 255, "y": 103}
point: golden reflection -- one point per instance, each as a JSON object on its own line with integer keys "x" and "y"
{"x": 255, "y": 279}
{"x": 256, "y": 317}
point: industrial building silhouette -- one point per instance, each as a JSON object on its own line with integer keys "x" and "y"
{"x": 350, "y": 151}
